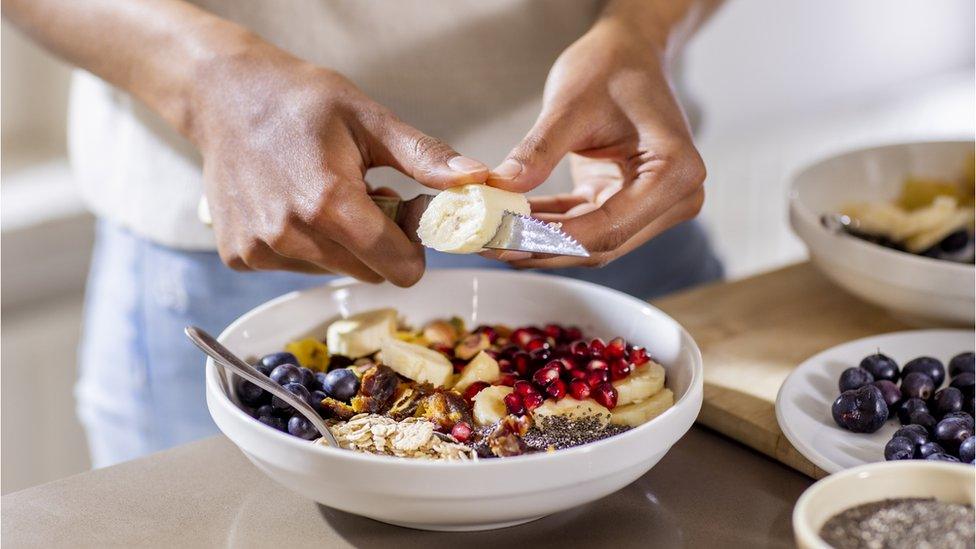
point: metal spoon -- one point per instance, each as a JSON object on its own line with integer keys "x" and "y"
{"x": 222, "y": 355}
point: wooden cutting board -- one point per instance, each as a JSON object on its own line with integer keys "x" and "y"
{"x": 753, "y": 332}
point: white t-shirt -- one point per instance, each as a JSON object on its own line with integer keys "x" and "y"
{"x": 470, "y": 72}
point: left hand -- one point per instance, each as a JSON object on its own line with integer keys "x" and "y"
{"x": 636, "y": 171}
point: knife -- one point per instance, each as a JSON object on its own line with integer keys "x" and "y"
{"x": 517, "y": 232}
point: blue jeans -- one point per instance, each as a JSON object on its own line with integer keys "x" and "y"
{"x": 141, "y": 386}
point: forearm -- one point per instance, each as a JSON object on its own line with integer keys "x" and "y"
{"x": 665, "y": 24}
{"x": 154, "y": 49}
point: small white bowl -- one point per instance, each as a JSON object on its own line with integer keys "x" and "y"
{"x": 490, "y": 493}
{"x": 950, "y": 482}
{"x": 922, "y": 290}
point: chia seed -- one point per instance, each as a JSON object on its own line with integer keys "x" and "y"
{"x": 902, "y": 523}
{"x": 558, "y": 432}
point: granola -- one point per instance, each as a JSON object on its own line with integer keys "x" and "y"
{"x": 412, "y": 437}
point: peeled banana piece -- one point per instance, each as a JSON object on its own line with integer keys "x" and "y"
{"x": 416, "y": 362}
{"x": 642, "y": 383}
{"x": 461, "y": 220}
{"x": 361, "y": 334}
{"x": 642, "y": 411}
{"x": 489, "y": 404}
{"x": 481, "y": 368}
{"x": 572, "y": 408}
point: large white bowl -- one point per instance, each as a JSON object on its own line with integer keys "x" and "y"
{"x": 462, "y": 496}
{"x": 920, "y": 289}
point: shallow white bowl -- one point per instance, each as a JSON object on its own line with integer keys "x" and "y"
{"x": 950, "y": 482}
{"x": 920, "y": 289}
{"x": 462, "y": 496}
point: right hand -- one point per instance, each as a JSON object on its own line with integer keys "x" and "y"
{"x": 286, "y": 146}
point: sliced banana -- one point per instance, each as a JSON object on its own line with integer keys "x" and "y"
{"x": 642, "y": 383}
{"x": 461, "y": 220}
{"x": 416, "y": 362}
{"x": 481, "y": 368}
{"x": 640, "y": 412}
{"x": 361, "y": 334}
{"x": 570, "y": 407}
{"x": 489, "y": 404}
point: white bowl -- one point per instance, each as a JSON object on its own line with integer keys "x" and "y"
{"x": 950, "y": 482}
{"x": 490, "y": 493}
{"x": 920, "y": 289}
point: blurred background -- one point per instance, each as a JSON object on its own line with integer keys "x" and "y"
{"x": 779, "y": 84}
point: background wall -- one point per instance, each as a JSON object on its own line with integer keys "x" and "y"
{"x": 780, "y": 83}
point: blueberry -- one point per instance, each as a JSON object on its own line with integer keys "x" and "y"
{"x": 950, "y": 433}
{"x": 881, "y": 367}
{"x": 917, "y": 385}
{"x": 308, "y": 378}
{"x": 923, "y": 418}
{"x": 942, "y": 457}
{"x": 899, "y": 448}
{"x": 969, "y": 406}
{"x": 272, "y": 361}
{"x": 861, "y": 410}
{"x": 964, "y": 382}
{"x": 929, "y": 448}
{"x": 908, "y": 407}
{"x": 915, "y": 433}
{"x": 264, "y": 410}
{"x": 316, "y": 401}
{"x": 341, "y": 384}
{"x": 854, "y": 378}
{"x": 967, "y": 450}
{"x": 302, "y": 428}
{"x": 285, "y": 374}
{"x": 250, "y": 394}
{"x": 296, "y": 389}
{"x": 274, "y": 422}
{"x": 965, "y": 416}
{"x": 962, "y": 364}
{"x": 891, "y": 394}
{"x": 928, "y": 366}
{"x": 945, "y": 401}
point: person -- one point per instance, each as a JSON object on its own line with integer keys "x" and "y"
{"x": 277, "y": 111}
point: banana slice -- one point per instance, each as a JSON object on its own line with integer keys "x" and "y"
{"x": 461, "y": 220}
{"x": 570, "y": 407}
{"x": 362, "y": 334}
{"x": 640, "y": 384}
{"x": 481, "y": 368}
{"x": 636, "y": 413}
{"x": 416, "y": 362}
{"x": 489, "y": 404}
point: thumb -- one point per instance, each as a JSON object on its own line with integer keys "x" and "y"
{"x": 532, "y": 160}
{"x": 426, "y": 159}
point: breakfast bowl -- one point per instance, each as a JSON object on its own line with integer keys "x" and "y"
{"x": 946, "y": 482}
{"x": 921, "y": 290}
{"x": 460, "y": 495}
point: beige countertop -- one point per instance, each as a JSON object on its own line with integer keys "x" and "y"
{"x": 709, "y": 491}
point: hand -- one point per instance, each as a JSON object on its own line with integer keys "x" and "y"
{"x": 636, "y": 171}
{"x": 286, "y": 146}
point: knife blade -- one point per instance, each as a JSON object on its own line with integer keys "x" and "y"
{"x": 517, "y": 232}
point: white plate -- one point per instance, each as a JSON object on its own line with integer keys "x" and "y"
{"x": 803, "y": 402}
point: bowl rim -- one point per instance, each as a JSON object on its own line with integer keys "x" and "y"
{"x": 803, "y": 530}
{"x": 692, "y": 395}
{"x": 812, "y": 219}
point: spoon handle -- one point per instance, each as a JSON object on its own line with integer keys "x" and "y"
{"x": 223, "y": 356}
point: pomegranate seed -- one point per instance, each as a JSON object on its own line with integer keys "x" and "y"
{"x": 597, "y": 348}
{"x": 522, "y": 361}
{"x": 554, "y": 331}
{"x": 532, "y": 401}
{"x": 573, "y": 333}
{"x": 521, "y": 336}
{"x": 510, "y": 350}
{"x": 579, "y": 389}
{"x": 597, "y": 377}
{"x": 606, "y": 395}
{"x": 514, "y": 404}
{"x": 558, "y": 364}
{"x": 619, "y": 369}
{"x": 523, "y": 388}
{"x": 493, "y": 354}
{"x": 597, "y": 364}
{"x": 578, "y": 374}
{"x": 579, "y": 348}
{"x": 537, "y": 343}
{"x": 458, "y": 365}
{"x": 507, "y": 379}
{"x": 546, "y": 375}
{"x": 638, "y": 356}
{"x": 461, "y": 431}
{"x": 541, "y": 356}
{"x": 565, "y": 364}
{"x": 505, "y": 365}
{"x": 616, "y": 348}
{"x": 443, "y": 349}
{"x": 556, "y": 389}
{"x": 488, "y": 331}
{"x": 473, "y": 389}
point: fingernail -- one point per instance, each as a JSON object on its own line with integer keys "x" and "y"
{"x": 509, "y": 169}
{"x": 464, "y": 164}
{"x": 513, "y": 256}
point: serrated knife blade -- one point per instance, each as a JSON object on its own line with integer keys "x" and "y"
{"x": 528, "y": 234}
